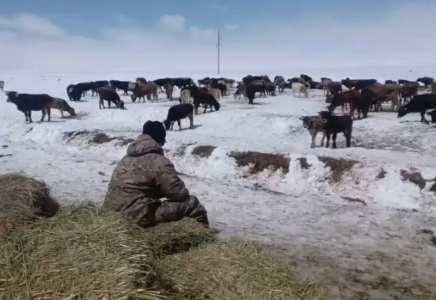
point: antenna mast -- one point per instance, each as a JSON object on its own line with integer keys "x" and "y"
{"x": 218, "y": 47}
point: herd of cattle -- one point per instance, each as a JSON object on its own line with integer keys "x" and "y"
{"x": 361, "y": 96}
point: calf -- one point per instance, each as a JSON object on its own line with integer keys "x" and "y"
{"x": 140, "y": 91}
{"x": 300, "y": 88}
{"x": 2, "y": 85}
{"x": 336, "y": 124}
{"x": 216, "y": 93}
{"x": 314, "y": 124}
{"x": 326, "y": 83}
{"x": 26, "y": 103}
{"x": 62, "y": 106}
{"x": 185, "y": 96}
{"x": 408, "y": 91}
{"x": 178, "y": 112}
{"x": 241, "y": 90}
{"x": 341, "y": 99}
{"x": 206, "y": 99}
{"x": 169, "y": 89}
{"x": 419, "y": 103}
{"x": 110, "y": 96}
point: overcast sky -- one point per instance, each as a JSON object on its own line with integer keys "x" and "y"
{"x": 173, "y": 36}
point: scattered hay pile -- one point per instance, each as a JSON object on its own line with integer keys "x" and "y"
{"x": 234, "y": 270}
{"x": 203, "y": 151}
{"x": 261, "y": 161}
{"x": 96, "y": 137}
{"x": 22, "y": 201}
{"x": 81, "y": 253}
{"x": 338, "y": 167}
{"x": 91, "y": 253}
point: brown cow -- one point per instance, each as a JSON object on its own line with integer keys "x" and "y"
{"x": 377, "y": 93}
{"x": 409, "y": 90}
{"x": 341, "y": 99}
{"x": 144, "y": 90}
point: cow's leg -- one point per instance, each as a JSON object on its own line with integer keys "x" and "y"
{"x": 25, "y": 115}
{"x": 334, "y": 139}
{"x": 313, "y": 133}
{"x": 49, "y": 113}
{"x": 328, "y": 139}
{"x": 62, "y": 113}
{"x": 205, "y": 108}
{"x": 323, "y": 137}
{"x": 178, "y": 123}
{"x": 43, "y": 115}
{"x": 347, "y": 134}
{"x": 29, "y": 114}
{"x": 423, "y": 119}
{"x": 343, "y": 110}
{"x": 191, "y": 120}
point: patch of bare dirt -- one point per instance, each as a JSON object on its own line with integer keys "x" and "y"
{"x": 203, "y": 151}
{"x": 338, "y": 167}
{"x": 261, "y": 161}
{"x": 181, "y": 150}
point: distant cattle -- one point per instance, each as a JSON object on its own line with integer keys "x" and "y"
{"x": 278, "y": 81}
{"x": 358, "y": 84}
{"x": 336, "y": 124}
{"x": 181, "y": 82}
{"x": 427, "y": 81}
{"x": 315, "y": 85}
{"x": 408, "y": 91}
{"x": 314, "y": 124}
{"x": 419, "y": 103}
{"x": 110, "y": 96}
{"x": 205, "y": 99}
{"x": 241, "y": 90}
{"x": 26, "y": 103}
{"x": 120, "y": 85}
{"x": 378, "y": 93}
{"x": 248, "y": 79}
{"x": 185, "y": 97}
{"x": 300, "y": 80}
{"x": 62, "y": 106}
{"x": 341, "y": 99}
{"x": 403, "y": 81}
{"x": 216, "y": 93}
{"x": 326, "y": 82}
{"x": 141, "y": 90}
{"x": 306, "y": 78}
{"x": 300, "y": 88}
{"x": 178, "y": 112}
{"x": 2, "y": 85}
{"x": 390, "y": 82}
{"x": 169, "y": 88}
{"x": 141, "y": 80}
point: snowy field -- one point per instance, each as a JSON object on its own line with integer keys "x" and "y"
{"x": 376, "y": 243}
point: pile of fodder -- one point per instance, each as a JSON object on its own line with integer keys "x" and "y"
{"x": 234, "y": 270}
{"x": 258, "y": 161}
{"x": 81, "y": 253}
{"x": 96, "y": 137}
{"x": 338, "y": 166}
{"x": 23, "y": 200}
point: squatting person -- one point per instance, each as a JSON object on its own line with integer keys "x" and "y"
{"x": 144, "y": 176}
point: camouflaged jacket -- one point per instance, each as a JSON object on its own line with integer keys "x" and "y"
{"x": 141, "y": 178}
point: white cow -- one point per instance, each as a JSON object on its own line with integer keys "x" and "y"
{"x": 185, "y": 96}
{"x": 300, "y": 88}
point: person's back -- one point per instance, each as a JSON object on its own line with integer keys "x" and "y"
{"x": 143, "y": 177}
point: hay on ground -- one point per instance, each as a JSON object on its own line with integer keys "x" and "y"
{"x": 177, "y": 237}
{"x": 22, "y": 201}
{"x": 261, "y": 161}
{"x": 203, "y": 151}
{"x": 97, "y": 137}
{"x": 234, "y": 270}
{"x": 338, "y": 166}
{"x": 81, "y": 253}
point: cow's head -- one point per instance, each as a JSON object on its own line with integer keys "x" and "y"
{"x": 11, "y": 96}
{"x": 403, "y": 111}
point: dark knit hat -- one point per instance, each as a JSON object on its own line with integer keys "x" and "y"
{"x": 156, "y": 130}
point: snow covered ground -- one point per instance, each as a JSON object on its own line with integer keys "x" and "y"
{"x": 373, "y": 248}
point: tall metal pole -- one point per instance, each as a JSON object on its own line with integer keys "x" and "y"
{"x": 219, "y": 46}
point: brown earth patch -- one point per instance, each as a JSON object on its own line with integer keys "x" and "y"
{"x": 338, "y": 167}
{"x": 413, "y": 177}
{"x": 97, "y": 137}
{"x": 261, "y": 161}
{"x": 203, "y": 151}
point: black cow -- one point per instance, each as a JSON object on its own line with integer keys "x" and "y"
{"x": 247, "y": 79}
{"x": 306, "y": 78}
{"x": 336, "y": 124}
{"x": 425, "y": 81}
{"x": 109, "y": 95}
{"x": 182, "y": 82}
{"x": 403, "y": 81}
{"x": 26, "y": 103}
{"x": 206, "y": 99}
{"x": 419, "y": 103}
{"x": 120, "y": 85}
{"x": 390, "y": 82}
{"x": 433, "y": 115}
{"x": 357, "y": 84}
{"x": 178, "y": 112}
